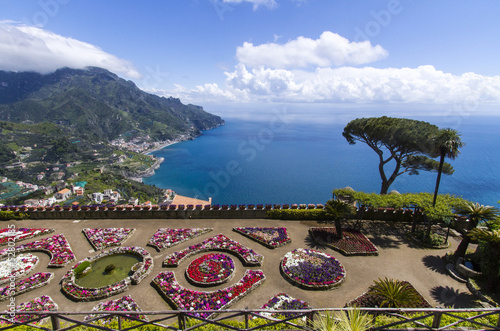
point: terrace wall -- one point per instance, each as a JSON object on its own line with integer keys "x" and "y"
{"x": 150, "y": 214}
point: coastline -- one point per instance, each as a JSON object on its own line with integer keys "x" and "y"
{"x": 151, "y": 170}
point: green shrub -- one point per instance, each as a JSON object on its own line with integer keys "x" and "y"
{"x": 81, "y": 268}
{"x": 298, "y": 214}
{"x": 6, "y": 215}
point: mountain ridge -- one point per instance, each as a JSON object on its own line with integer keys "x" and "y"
{"x": 99, "y": 104}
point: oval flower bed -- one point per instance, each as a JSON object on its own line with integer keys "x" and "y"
{"x": 186, "y": 299}
{"x": 17, "y": 266}
{"x": 56, "y": 246}
{"x": 312, "y": 269}
{"x": 271, "y": 237}
{"x": 282, "y": 301}
{"x": 353, "y": 242}
{"x": 125, "y": 303}
{"x": 18, "y": 234}
{"x": 141, "y": 270}
{"x": 166, "y": 237}
{"x": 210, "y": 269}
{"x": 218, "y": 243}
{"x": 25, "y": 285}
{"x": 103, "y": 238}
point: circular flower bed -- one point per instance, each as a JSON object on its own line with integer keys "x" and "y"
{"x": 210, "y": 269}
{"x": 312, "y": 269}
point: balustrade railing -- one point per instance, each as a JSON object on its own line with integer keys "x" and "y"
{"x": 253, "y": 319}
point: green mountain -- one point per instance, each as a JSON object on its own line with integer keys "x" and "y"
{"x": 96, "y": 105}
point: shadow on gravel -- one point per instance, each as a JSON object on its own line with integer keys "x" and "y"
{"x": 452, "y": 298}
{"x": 435, "y": 263}
{"x": 312, "y": 244}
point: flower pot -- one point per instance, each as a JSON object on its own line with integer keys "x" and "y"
{"x": 172, "y": 207}
{"x": 155, "y": 207}
{"x": 137, "y": 207}
{"x": 199, "y": 207}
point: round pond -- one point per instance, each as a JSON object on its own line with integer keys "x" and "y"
{"x": 98, "y": 276}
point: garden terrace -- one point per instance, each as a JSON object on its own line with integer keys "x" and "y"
{"x": 398, "y": 258}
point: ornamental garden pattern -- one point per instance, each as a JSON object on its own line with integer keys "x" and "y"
{"x": 306, "y": 268}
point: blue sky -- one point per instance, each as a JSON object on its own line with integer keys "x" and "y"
{"x": 226, "y": 54}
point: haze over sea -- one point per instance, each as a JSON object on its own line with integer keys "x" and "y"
{"x": 286, "y": 159}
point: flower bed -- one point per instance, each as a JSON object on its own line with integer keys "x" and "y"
{"x": 18, "y": 234}
{"x": 369, "y": 299}
{"x": 125, "y": 303}
{"x": 166, "y": 237}
{"x": 56, "y": 246}
{"x": 79, "y": 293}
{"x": 219, "y": 243}
{"x": 353, "y": 242}
{"x": 104, "y": 238}
{"x": 25, "y": 285}
{"x": 186, "y": 299}
{"x": 270, "y": 237}
{"x": 281, "y": 301}
{"x": 312, "y": 270}
{"x": 42, "y": 303}
{"x": 17, "y": 266}
{"x": 210, "y": 269}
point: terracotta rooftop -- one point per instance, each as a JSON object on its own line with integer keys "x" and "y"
{"x": 182, "y": 200}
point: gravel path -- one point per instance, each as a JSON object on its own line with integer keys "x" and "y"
{"x": 399, "y": 258}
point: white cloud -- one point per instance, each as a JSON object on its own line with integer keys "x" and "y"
{"x": 348, "y": 85}
{"x": 25, "y": 48}
{"x": 256, "y": 3}
{"x": 330, "y": 49}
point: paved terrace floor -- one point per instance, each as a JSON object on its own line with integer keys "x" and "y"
{"x": 398, "y": 258}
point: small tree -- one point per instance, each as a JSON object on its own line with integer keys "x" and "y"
{"x": 448, "y": 144}
{"x": 476, "y": 213}
{"x": 338, "y": 211}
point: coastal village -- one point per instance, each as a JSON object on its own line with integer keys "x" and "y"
{"x": 69, "y": 191}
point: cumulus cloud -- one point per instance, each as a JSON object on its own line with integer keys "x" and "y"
{"x": 330, "y": 49}
{"x": 349, "y": 85}
{"x": 26, "y": 48}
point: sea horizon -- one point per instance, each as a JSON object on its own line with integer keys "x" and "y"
{"x": 283, "y": 159}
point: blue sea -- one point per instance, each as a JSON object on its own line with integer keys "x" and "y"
{"x": 280, "y": 161}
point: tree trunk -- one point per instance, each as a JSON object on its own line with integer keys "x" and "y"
{"x": 429, "y": 227}
{"x": 338, "y": 228}
{"x": 462, "y": 247}
{"x": 438, "y": 179}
